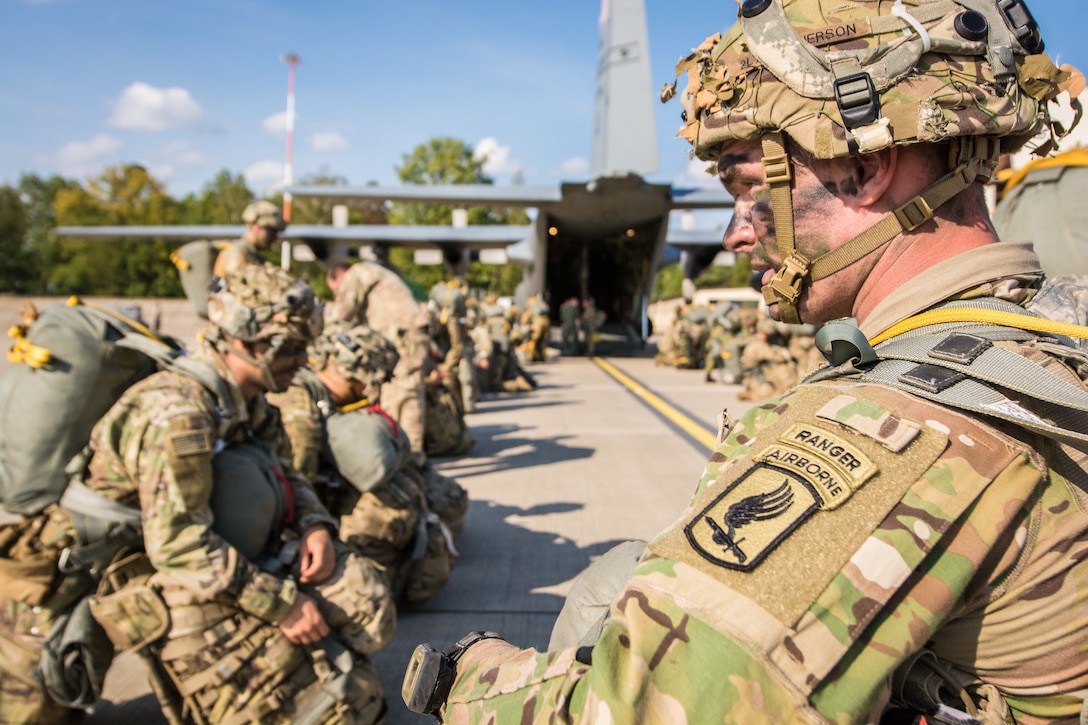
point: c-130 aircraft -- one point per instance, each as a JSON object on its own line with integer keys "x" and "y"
{"x": 604, "y": 238}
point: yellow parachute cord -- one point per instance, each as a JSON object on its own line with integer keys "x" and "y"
{"x": 969, "y": 314}
{"x": 75, "y": 301}
{"x": 1011, "y": 177}
{"x": 353, "y": 406}
{"x": 24, "y": 351}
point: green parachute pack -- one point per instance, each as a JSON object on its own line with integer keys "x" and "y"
{"x": 195, "y": 262}
{"x": 69, "y": 364}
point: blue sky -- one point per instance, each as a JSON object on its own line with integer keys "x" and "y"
{"x": 189, "y": 87}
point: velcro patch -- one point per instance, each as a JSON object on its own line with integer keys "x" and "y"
{"x": 832, "y": 465}
{"x": 745, "y": 522}
{"x": 870, "y": 420}
{"x": 189, "y": 443}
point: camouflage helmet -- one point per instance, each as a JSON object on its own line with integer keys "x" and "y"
{"x": 847, "y": 78}
{"x": 358, "y": 352}
{"x": 843, "y": 78}
{"x": 263, "y": 302}
{"x": 264, "y": 214}
{"x": 448, "y": 297}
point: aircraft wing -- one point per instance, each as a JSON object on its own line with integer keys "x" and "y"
{"x": 482, "y": 236}
{"x": 455, "y": 194}
{"x": 700, "y": 198}
{"x": 684, "y": 238}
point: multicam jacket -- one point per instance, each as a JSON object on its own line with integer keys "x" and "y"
{"x": 835, "y": 531}
{"x": 154, "y": 448}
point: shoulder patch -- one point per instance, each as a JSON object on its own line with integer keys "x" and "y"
{"x": 830, "y": 463}
{"x": 189, "y": 443}
{"x": 802, "y": 495}
{"x": 757, "y": 511}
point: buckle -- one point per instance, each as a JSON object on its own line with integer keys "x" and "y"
{"x": 776, "y": 169}
{"x": 66, "y": 563}
{"x": 1022, "y": 24}
{"x": 856, "y": 97}
{"x": 786, "y": 283}
{"x": 913, "y": 214}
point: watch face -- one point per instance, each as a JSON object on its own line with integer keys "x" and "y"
{"x": 421, "y": 678}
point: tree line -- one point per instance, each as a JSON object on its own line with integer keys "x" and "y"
{"x": 34, "y": 261}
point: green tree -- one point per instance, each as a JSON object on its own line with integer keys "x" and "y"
{"x": 220, "y": 201}
{"x": 734, "y": 275}
{"x": 121, "y": 195}
{"x": 667, "y": 283}
{"x": 16, "y": 262}
{"x": 445, "y": 160}
{"x": 37, "y": 195}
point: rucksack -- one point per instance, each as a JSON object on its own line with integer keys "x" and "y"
{"x": 70, "y": 364}
{"x": 195, "y": 262}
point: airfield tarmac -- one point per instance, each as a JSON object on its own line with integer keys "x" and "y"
{"x": 556, "y": 478}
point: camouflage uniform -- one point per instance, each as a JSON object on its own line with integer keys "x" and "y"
{"x": 203, "y": 613}
{"x": 769, "y": 369}
{"x": 845, "y": 527}
{"x": 384, "y": 520}
{"x": 237, "y": 253}
{"x": 540, "y": 323}
{"x": 925, "y": 542}
{"x": 401, "y": 517}
{"x": 568, "y": 315}
{"x": 373, "y": 295}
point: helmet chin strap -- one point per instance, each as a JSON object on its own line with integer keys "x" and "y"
{"x": 972, "y": 158}
{"x": 263, "y": 363}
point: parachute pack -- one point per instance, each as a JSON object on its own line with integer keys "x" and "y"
{"x": 70, "y": 363}
{"x": 195, "y": 262}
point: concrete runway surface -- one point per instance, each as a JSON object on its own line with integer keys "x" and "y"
{"x": 556, "y": 478}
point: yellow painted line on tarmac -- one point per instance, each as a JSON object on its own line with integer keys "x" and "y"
{"x": 685, "y": 423}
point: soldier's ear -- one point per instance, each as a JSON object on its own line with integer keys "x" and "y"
{"x": 873, "y": 175}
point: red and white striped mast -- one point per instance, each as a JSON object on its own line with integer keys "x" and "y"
{"x": 288, "y": 167}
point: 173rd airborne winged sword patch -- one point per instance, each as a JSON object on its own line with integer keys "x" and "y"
{"x": 807, "y": 468}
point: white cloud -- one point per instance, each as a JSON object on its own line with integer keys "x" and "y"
{"x": 276, "y": 124}
{"x": 146, "y": 108}
{"x": 328, "y": 141}
{"x": 575, "y": 168}
{"x": 162, "y": 172}
{"x": 497, "y": 159}
{"x": 79, "y": 157}
{"x": 183, "y": 154}
{"x": 267, "y": 175}
{"x": 696, "y": 176}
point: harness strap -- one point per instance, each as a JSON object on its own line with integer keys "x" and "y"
{"x": 966, "y": 374}
{"x": 333, "y": 689}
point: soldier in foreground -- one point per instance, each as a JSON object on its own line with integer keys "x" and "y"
{"x": 917, "y": 513}
{"x": 263, "y": 222}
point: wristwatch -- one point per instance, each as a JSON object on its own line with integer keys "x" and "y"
{"x": 430, "y": 673}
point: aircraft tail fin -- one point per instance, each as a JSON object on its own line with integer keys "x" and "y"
{"x": 624, "y": 137}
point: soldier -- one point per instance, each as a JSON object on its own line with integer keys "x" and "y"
{"x": 504, "y": 373}
{"x": 401, "y": 517}
{"x": 368, "y": 293}
{"x": 540, "y": 328}
{"x": 768, "y": 367}
{"x": 591, "y": 323}
{"x": 722, "y": 354}
{"x": 244, "y": 607}
{"x": 448, "y": 311}
{"x": 569, "y": 313}
{"x": 263, "y": 222}
{"x": 802, "y": 346}
{"x": 917, "y": 513}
